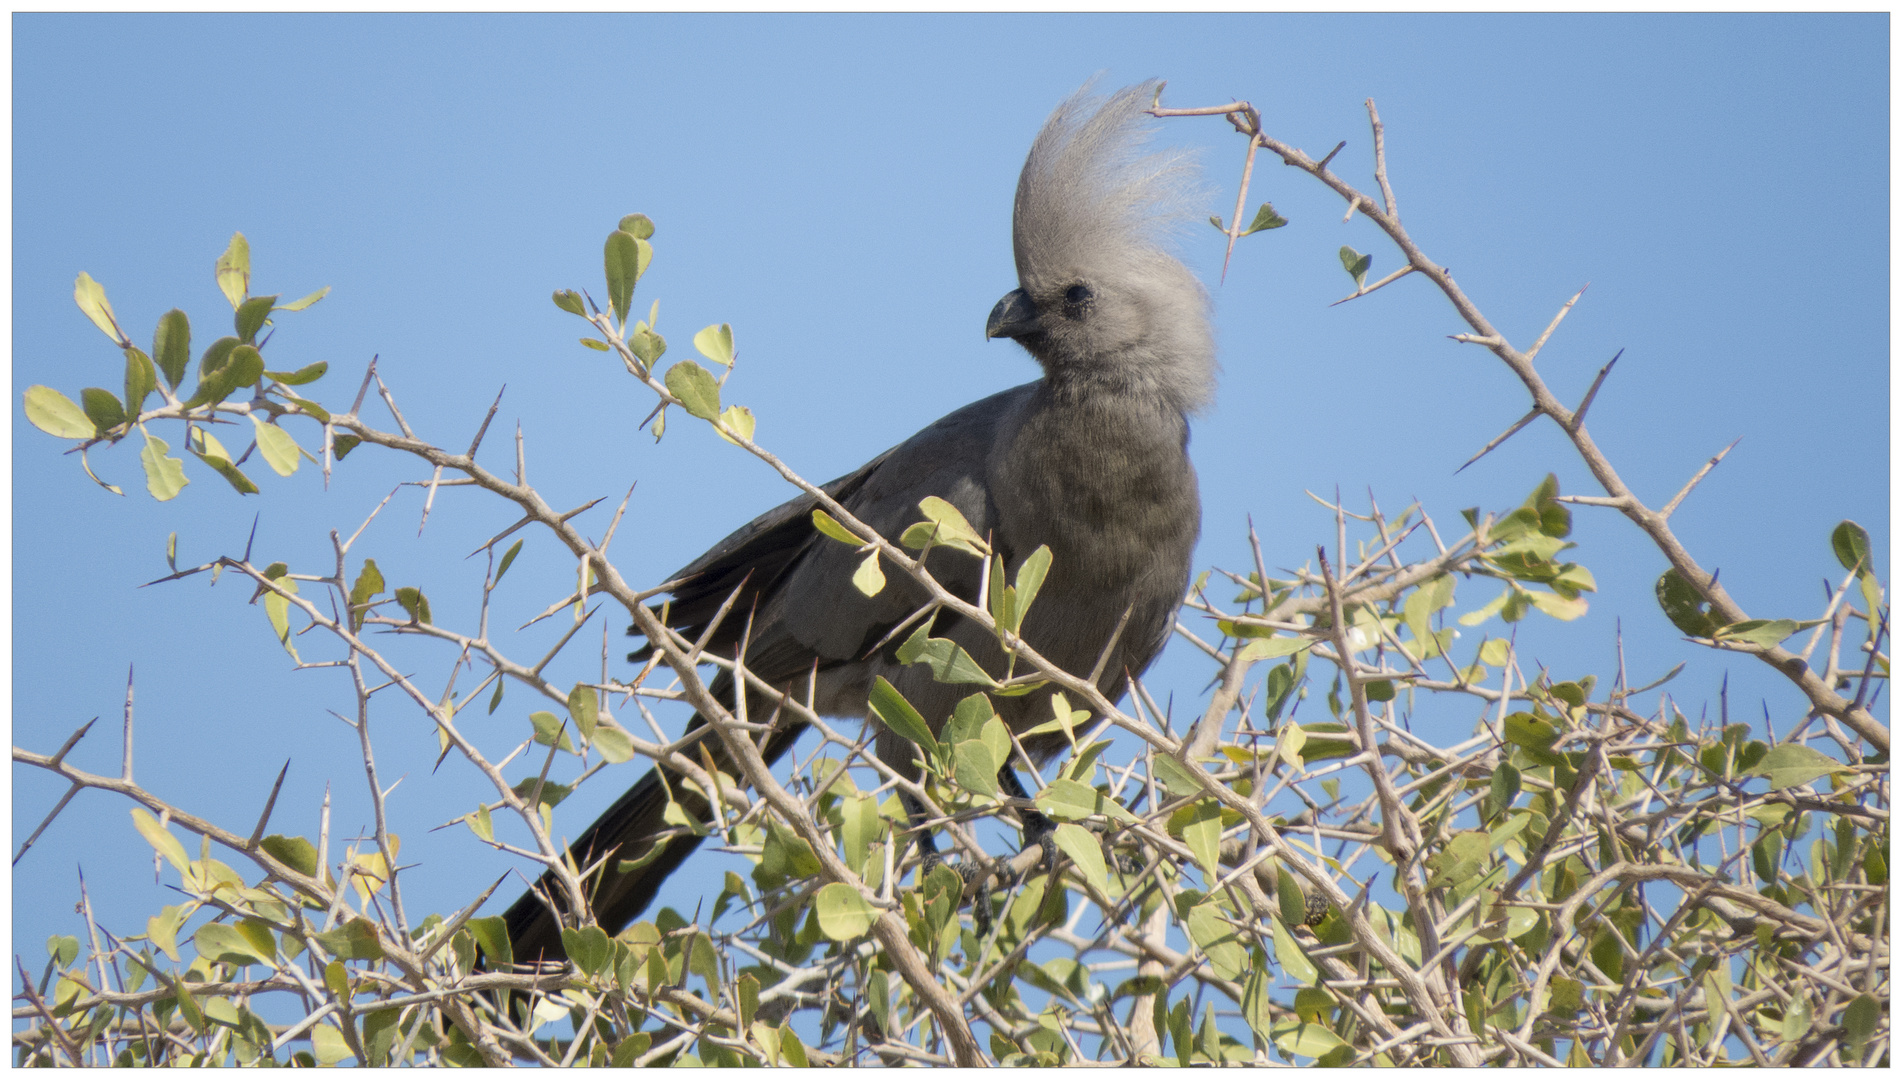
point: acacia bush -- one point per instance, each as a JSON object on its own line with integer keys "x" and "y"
{"x": 1295, "y": 873}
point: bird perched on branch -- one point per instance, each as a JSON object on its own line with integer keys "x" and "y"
{"x": 1091, "y": 460}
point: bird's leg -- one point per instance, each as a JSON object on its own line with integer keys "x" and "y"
{"x": 968, "y": 871}
{"x": 1038, "y": 829}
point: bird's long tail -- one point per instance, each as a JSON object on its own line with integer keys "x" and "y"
{"x": 628, "y": 832}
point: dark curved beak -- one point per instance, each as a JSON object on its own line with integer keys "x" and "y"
{"x": 1013, "y": 317}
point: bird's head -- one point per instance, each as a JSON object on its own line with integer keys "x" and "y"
{"x": 1099, "y": 294}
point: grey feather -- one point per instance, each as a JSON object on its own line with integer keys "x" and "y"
{"x": 1090, "y": 460}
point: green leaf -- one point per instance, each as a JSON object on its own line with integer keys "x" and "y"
{"x": 414, "y": 603}
{"x": 241, "y": 367}
{"x": 162, "y": 929}
{"x": 1464, "y": 856}
{"x": 696, "y": 388}
{"x": 1356, "y": 265}
{"x": 225, "y": 944}
{"x": 507, "y": 558}
{"x": 1860, "y": 1019}
{"x": 716, "y": 344}
{"x": 354, "y": 940}
{"x": 570, "y": 301}
{"x": 748, "y": 986}
{"x": 1289, "y": 898}
{"x": 1529, "y": 731}
{"x": 952, "y": 530}
{"x": 844, "y": 914}
{"x": 1294, "y": 963}
{"x": 277, "y": 609}
{"x": 1480, "y": 615}
{"x": 550, "y": 731}
{"x": 791, "y": 1049}
{"x": 303, "y": 302}
{"x": 293, "y": 851}
{"x": 234, "y": 270}
{"x": 629, "y": 1050}
{"x": 1289, "y": 743}
{"x": 1068, "y": 800}
{"x": 1217, "y": 939}
{"x": 161, "y": 839}
{"x": 1265, "y": 218}
{"x": 1418, "y": 612}
{"x": 968, "y": 719}
{"x": 309, "y": 373}
{"x": 551, "y": 793}
{"x": 612, "y": 742}
{"x": 624, "y": 261}
{"x": 1850, "y": 541}
{"x": 1559, "y": 607}
{"x": 188, "y": 1006}
{"x": 91, "y": 298}
{"x": 1029, "y": 582}
{"x": 87, "y": 465}
{"x": 948, "y": 661}
{"x": 584, "y": 706}
{"x": 280, "y": 451}
{"x": 1200, "y": 826}
{"x": 1305, "y": 1040}
{"x": 1268, "y": 648}
{"x": 594, "y": 343}
{"x": 589, "y": 948}
{"x": 172, "y": 345}
{"x": 640, "y": 225}
{"x": 369, "y": 584}
{"x": 491, "y": 935}
{"x": 140, "y": 380}
{"x": 1175, "y": 777}
{"x": 830, "y": 526}
{"x": 868, "y": 578}
{"x": 1503, "y": 787}
{"x": 1793, "y": 763}
{"x": 164, "y": 475}
{"x": 1082, "y": 847}
{"x": 860, "y": 827}
{"x": 343, "y": 444}
{"x": 213, "y": 453}
{"x": 63, "y": 948}
{"x": 1763, "y": 633}
{"x": 739, "y": 420}
{"x": 1257, "y": 1002}
{"x": 55, "y": 414}
{"x": 1683, "y": 605}
{"x": 896, "y": 714}
{"x": 646, "y": 344}
{"x": 251, "y": 317}
{"x": 975, "y": 768}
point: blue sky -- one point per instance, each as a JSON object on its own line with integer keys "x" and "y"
{"x": 838, "y": 188}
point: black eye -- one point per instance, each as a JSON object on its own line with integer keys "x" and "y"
{"x": 1077, "y": 300}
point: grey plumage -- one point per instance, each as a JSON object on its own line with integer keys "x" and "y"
{"x": 1091, "y": 459}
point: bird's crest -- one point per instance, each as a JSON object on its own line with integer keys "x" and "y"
{"x": 1089, "y": 196}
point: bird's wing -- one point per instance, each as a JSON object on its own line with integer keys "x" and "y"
{"x": 798, "y": 583}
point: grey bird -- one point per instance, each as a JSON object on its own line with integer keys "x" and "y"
{"x": 1092, "y": 460}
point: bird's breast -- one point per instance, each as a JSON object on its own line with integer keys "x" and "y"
{"x": 1108, "y": 486}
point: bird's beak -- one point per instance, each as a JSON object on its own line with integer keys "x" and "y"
{"x": 1013, "y": 317}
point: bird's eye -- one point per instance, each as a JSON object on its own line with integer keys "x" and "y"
{"x": 1077, "y": 300}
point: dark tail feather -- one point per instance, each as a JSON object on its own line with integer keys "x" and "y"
{"x": 629, "y": 830}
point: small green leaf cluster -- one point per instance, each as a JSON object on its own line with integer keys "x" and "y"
{"x": 1265, "y": 218}
{"x": 229, "y": 364}
{"x": 1690, "y": 611}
